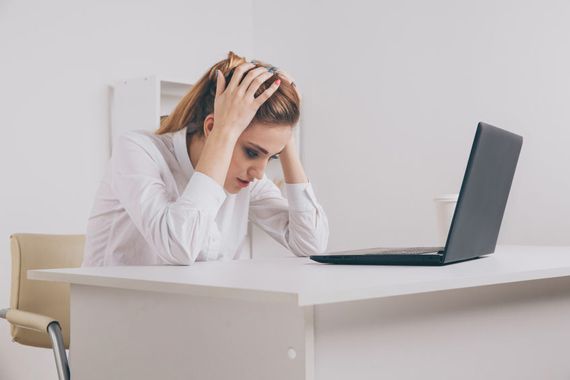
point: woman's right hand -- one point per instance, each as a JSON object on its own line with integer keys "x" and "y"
{"x": 235, "y": 105}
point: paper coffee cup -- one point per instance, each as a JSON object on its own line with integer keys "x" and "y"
{"x": 444, "y": 209}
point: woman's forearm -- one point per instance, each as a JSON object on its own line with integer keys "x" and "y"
{"x": 292, "y": 169}
{"x": 217, "y": 154}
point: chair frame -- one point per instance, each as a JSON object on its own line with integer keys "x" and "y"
{"x": 54, "y": 332}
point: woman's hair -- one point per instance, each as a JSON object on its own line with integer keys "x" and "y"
{"x": 282, "y": 108}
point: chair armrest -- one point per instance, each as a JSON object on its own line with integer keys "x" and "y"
{"x": 28, "y": 320}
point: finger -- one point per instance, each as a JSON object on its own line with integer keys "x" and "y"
{"x": 289, "y": 79}
{"x": 220, "y": 82}
{"x": 238, "y": 74}
{"x": 267, "y": 93}
{"x": 256, "y": 83}
{"x": 286, "y": 76}
{"x": 251, "y": 75}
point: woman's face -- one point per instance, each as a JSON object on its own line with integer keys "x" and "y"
{"x": 256, "y": 146}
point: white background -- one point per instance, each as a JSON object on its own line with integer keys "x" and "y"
{"x": 392, "y": 94}
{"x": 57, "y": 59}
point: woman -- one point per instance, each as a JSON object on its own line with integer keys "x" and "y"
{"x": 186, "y": 192}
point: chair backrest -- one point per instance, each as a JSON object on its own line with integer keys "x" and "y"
{"x": 37, "y": 251}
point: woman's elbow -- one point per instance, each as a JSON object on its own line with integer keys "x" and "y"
{"x": 179, "y": 259}
{"x": 307, "y": 249}
{"x": 178, "y": 255}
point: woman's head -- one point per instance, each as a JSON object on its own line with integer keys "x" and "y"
{"x": 267, "y": 134}
{"x": 282, "y": 108}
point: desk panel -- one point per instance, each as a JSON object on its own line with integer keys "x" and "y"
{"x": 511, "y": 331}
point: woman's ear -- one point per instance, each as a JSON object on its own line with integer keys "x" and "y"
{"x": 208, "y": 125}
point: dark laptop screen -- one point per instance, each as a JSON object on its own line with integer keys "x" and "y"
{"x": 481, "y": 204}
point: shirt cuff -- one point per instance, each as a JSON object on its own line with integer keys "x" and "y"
{"x": 205, "y": 193}
{"x": 301, "y": 196}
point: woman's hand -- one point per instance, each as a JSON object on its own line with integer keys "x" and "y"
{"x": 289, "y": 80}
{"x": 235, "y": 105}
{"x": 290, "y": 162}
{"x": 292, "y": 168}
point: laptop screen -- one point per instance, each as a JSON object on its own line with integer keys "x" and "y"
{"x": 484, "y": 192}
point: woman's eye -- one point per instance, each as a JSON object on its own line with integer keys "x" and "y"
{"x": 276, "y": 157}
{"x": 251, "y": 153}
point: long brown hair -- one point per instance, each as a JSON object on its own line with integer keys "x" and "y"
{"x": 282, "y": 108}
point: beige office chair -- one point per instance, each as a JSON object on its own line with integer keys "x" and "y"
{"x": 39, "y": 310}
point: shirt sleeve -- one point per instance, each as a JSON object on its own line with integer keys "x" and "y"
{"x": 179, "y": 230}
{"x": 297, "y": 222}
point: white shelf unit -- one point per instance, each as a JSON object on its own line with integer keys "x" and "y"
{"x": 138, "y": 104}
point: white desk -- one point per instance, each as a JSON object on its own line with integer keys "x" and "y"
{"x": 505, "y": 316}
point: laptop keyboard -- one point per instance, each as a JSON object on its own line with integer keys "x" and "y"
{"x": 392, "y": 251}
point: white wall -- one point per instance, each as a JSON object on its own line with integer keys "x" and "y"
{"x": 56, "y": 61}
{"x": 393, "y": 91}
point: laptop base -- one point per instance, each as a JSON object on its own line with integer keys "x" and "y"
{"x": 382, "y": 259}
{"x": 410, "y": 260}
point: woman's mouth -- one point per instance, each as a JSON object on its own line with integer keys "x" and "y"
{"x": 242, "y": 183}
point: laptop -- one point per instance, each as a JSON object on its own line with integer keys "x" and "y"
{"x": 478, "y": 214}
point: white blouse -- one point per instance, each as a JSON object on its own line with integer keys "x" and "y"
{"x": 152, "y": 208}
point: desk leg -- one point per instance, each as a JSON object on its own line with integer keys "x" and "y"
{"x": 512, "y": 331}
{"x": 127, "y": 334}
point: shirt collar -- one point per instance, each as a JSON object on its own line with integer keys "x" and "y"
{"x": 181, "y": 152}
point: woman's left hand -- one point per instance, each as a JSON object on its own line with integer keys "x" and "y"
{"x": 290, "y": 147}
{"x": 291, "y": 164}
{"x": 292, "y": 168}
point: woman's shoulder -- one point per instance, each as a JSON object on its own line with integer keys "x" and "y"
{"x": 146, "y": 140}
{"x": 140, "y": 148}
{"x": 139, "y": 137}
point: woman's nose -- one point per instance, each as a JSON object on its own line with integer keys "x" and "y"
{"x": 256, "y": 170}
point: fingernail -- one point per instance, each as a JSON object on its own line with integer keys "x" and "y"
{"x": 278, "y": 82}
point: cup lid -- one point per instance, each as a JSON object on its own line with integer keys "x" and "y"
{"x": 446, "y": 198}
